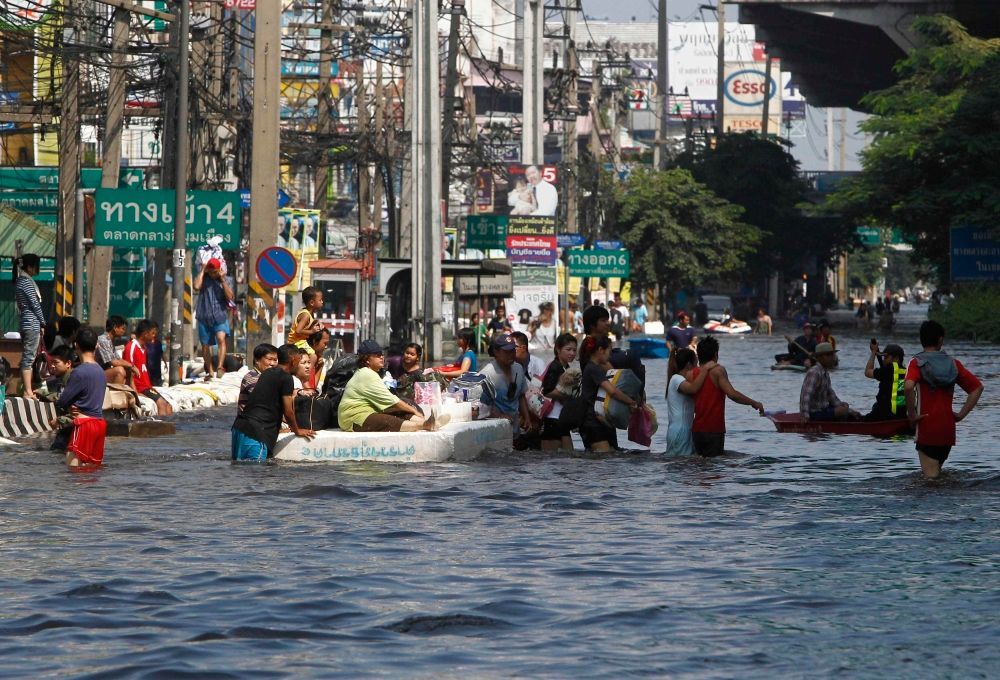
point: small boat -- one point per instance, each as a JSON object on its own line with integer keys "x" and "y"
{"x": 789, "y": 367}
{"x": 650, "y": 348}
{"x": 733, "y": 328}
{"x": 789, "y": 422}
{"x": 455, "y": 441}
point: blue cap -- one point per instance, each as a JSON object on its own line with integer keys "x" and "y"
{"x": 504, "y": 341}
{"x": 369, "y": 347}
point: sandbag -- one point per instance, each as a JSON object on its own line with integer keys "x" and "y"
{"x": 122, "y": 399}
{"x": 315, "y": 413}
{"x": 615, "y": 413}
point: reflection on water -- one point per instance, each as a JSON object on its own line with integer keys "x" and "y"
{"x": 798, "y": 555}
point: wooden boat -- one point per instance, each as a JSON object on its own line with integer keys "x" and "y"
{"x": 455, "y": 441}
{"x": 789, "y": 367}
{"x": 650, "y": 348}
{"x": 734, "y": 328}
{"x": 789, "y": 422}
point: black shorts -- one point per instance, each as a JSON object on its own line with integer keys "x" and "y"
{"x": 552, "y": 430}
{"x": 938, "y": 453}
{"x": 709, "y": 443}
{"x": 593, "y": 431}
{"x": 152, "y": 394}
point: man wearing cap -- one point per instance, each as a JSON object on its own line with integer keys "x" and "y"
{"x": 507, "y": 378}
{"x": 890, "y": 402}
{"x": 212, "y": 310}
{"x": 817, "y": 400}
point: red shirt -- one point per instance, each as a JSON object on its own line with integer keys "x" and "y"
{"x": 938, "y": 428}
{"x": 709, "y": 407}
{"x": 135, "y": 354}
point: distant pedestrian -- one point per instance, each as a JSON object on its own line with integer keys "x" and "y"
{"x": 212, "y": 309}
{"x": 28, "y": 300}
{"x": 936, "y": 374}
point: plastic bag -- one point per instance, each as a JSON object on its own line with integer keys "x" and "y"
{"x": 642, "y": 426}
{"x": 427, "y": 394}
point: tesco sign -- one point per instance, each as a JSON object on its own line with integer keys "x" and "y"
{"x": 749, "y": 87}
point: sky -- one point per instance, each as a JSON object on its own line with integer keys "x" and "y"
{"x": 811, "y": 152}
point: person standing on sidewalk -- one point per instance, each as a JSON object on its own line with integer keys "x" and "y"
{"x": 212, "y": 308}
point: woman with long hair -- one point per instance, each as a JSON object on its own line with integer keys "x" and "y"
{"x": 681, "y": 389}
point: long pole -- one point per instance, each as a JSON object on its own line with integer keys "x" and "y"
{"x": 829, "y": 139}
{"x": 720, "y": 89}
{"x": 662, "y": 85}
{"x": 450, "y": 100}
{"x": 180, "y": 197}
{"x": 532, "y": 83}
{"x": 570, "y": 153}
{"x": 265, "y": 159}
{"x": 767, "y": 97}
{"x": 69, "y": 174}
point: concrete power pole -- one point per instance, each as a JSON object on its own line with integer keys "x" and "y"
{"x": 662, "y": 86}
{"x": 113, "y": 123}
{"x": 450, "y": 101}
{"x": 266, "y": 124}
{"x": 69, "y": 171}
{"x": 571, "y": 164}
{"x": 426, "y": 178}
{"x": 178, "y": 269}
{"x": 323, "y": 112}
{"x": 720, "y": 90}
{"x": 532, "y": 97}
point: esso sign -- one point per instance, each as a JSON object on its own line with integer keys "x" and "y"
{"x": 749, "y": 87}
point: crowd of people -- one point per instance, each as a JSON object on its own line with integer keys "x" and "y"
{"x": 547, "y": 385}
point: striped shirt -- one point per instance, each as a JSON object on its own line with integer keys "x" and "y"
{"x": 28, "y": 304}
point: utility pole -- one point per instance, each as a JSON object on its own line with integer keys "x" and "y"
{"x": 720, "y": 89}
{"x": 829, "y": 139}
{"x": 180, "y": 197}
{"x": 662, "y": 86}
{"x": 767, "y": 98}
{"x": 113, "y": 123}
{"x": 426, "y": 146}
{"x": 321, "y": 178}
{"x": 571, "y": 164}
{"x": 364, "y": 174}
{"x": 843, "y": 140}
{"x": 450, "y": 101}
{"x": 533, "y": 80}
{"x": 265, "y": 159}
{"x": 69, "y": 169}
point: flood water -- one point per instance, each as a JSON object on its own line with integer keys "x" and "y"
{"x": 797, "y": 556}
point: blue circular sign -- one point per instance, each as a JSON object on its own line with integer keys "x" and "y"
{"x": 276, "y": 267}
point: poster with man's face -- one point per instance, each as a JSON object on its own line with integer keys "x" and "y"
{"x": 531, "y": 190}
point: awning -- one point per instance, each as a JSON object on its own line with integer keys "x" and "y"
{"x": 460, "y": 267}
{"x": 35, "y": 237}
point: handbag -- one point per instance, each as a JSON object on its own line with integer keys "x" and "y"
{"x": 642, "y": 426}
{"x": 315, "y": 413}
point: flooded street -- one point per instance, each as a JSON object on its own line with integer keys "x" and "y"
{"x": 798, "y": 555}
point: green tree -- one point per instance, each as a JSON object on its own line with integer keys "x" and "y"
{"x": 934, "y": 161}
{"x": 763, "y": 177}
{"x": 679, "y": 232}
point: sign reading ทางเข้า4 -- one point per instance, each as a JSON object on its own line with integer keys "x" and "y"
{"x": 146, "y": 217}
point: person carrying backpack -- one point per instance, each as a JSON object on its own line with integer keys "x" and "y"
{"x": 936, "y": 374}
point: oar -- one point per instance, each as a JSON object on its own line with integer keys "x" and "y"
{"x": 792, "y": 342}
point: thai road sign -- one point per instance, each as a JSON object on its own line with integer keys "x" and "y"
{"x": 126, "y": 294}
{"x": 128, "y": 259}
{"x": 616, "y": 263}
{"x": 485, "y": 232}
{"x": 570, "y": 240}
{"x": 276, "y": 267}
{"x": 608, "y": 245}
{"x": 35, "y": 178}
{"x": 31, "y": 201}
{"x": 975, "y": 254}
{"x": 145, "y": 217}
{"x": 532, "y": 250}
{"x": 531, "y": 225}
{"x": 869, "y": 236}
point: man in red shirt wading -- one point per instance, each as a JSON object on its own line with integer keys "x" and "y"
{"x": 937, "y": 374}
{"x": 709, "y": 428}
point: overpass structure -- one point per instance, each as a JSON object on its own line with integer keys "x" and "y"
{"x": 839, "y": 50}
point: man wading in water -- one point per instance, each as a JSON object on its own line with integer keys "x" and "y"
{"x": 936, "y": 374}
{"x": 708, "y": 431}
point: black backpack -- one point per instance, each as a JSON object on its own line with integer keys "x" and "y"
{"x": 337, "y": 377}
{"x": 315, "y": 413}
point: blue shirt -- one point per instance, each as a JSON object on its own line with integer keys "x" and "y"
{"x": 681, "y": 337}
{"x": 85, "y": 390}
{"x": 640, "y": 314}
{"x": 471, "y": 356}
{"x": 212, "y": 306}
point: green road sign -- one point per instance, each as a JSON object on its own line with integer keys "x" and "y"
{"x": 485, "y": 232}
{"x": 870, "y": 236}
{"x": 614, "y": 263}
{"x": 127, "y": 296}
{"x": 128, "y": 259}
{"x": 39, "y": 179}
{"x": 31, "y": 201}
{"x": 46, "y": 269}
{"x": 145, "y": 217}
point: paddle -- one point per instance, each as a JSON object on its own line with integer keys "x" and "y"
{"x": 792, "y": 342}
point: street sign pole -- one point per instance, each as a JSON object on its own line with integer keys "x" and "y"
{"x": 180, "y": 196}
